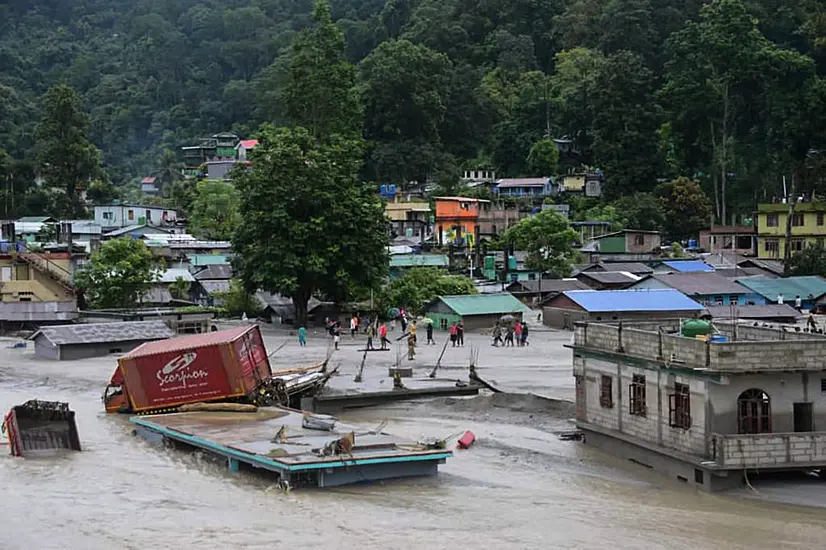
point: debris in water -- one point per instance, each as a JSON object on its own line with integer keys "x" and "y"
{"x": 41, "y": 427}
{"x": 466, "y": 440}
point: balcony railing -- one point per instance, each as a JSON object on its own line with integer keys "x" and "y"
{"x": 769, "y": 450}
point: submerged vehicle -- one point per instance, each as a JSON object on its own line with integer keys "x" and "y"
{"x": 41, "y": 428}
{"x": 229, "y": 365}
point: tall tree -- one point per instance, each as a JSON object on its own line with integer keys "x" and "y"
{"x": 320, "y": 93}
{"x": 69, "y": 161}
{"x": 723, "y": 79}
{"x": 308, "y": 223}
{"x": 405, "y": 91}
{"x": 686, "y": 208}
{"x": 214, "y": 212}
{"x": 574, "y": 86}
{"x": 626, "y": 121}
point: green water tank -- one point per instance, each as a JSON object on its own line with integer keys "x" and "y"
{"x": 490, "y": 263}
{"x": 511, "y": 263}
{"x": 691, "y": 328}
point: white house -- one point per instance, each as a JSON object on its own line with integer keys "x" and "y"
{"x": 112, "y": 216}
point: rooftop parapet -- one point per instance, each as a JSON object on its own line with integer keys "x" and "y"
{"x": 749, "y": 349}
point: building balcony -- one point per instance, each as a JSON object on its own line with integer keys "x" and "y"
{"x": 768, "y": 451}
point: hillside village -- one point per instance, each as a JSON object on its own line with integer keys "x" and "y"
{"x": 725, "y": 272}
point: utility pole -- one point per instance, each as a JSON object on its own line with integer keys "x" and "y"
{"x": 787, "y": 251}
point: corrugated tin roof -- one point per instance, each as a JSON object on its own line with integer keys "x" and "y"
{"x": 631, "y": 267}
{"x": 632, "y": 300}
{"x": 737, "y": 272}
{"x": 211, "y": 287}
{"x": 611, "y": 277}
{"x": 248, "y": 143}
{"x": 171, "y": 275}
{"x": 521, "y": 182}
{"x": 693, "y": 284}
{"x": 775, "y": 266}
{"x": 36, "y": 219}
{"x": 789, "y": 287}
{"x": 191, "y": 341}
{"x": 548, "y": 285}
{"x": 768, "y": 311}
{"x": 104, "y": 332}
{"x": 215, "y": 272}
{"x": 688, "y": 266}
{"x": 418, "y": 260}
{"x": 132, "y": 229}
{"x": 483, "y": 304}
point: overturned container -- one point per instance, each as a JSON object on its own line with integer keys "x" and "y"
{"x": 41, "y": 428}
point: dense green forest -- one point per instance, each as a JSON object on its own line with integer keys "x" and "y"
{"x": 730, "y": 93}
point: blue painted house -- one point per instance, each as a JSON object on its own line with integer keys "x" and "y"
{"x": 708, "y": 289}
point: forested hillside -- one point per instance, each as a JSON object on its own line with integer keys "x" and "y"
{"x": 730, "y": 94}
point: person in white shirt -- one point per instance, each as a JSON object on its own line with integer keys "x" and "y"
{"x": 780, "y": 299}
{"x": 798, "y": 303}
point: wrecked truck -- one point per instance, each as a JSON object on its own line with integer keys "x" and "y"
{"x": 229, "y": 366}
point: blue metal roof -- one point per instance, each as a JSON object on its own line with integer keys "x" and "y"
{"x": 633, "y": 300}
{"x": 688, "y": 266}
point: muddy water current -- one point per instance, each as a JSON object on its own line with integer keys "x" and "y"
{"x": 519, "y": 487}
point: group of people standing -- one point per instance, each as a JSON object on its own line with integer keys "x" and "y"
{"x": 515, "y": 333}
{"x": 457, "y": 334}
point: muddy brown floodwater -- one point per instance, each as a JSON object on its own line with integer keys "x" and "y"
{"x": 518, "y": 487}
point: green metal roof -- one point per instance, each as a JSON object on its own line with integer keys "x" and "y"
{"x": 208, "y": 259}
{"x": 788, "y": 287}
{"x": 484, "y": 304}
{"x": 418, "y": 260}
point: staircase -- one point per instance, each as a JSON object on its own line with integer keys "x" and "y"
{"x": 55, "y": 272}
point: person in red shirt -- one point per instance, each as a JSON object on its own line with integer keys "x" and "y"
{"x": 454, "y": 331}
{"x": 383, "y": 336}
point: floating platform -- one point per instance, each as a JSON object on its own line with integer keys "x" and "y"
{"x": 369, "y": 393}
{"x": 275, "y": 439}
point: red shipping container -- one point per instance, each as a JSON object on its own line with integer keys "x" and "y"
{"x": 203, "y": 367}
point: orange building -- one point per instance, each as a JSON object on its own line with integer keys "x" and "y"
{"x": 457, "y": 219}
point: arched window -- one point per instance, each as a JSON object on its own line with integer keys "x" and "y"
{"x": 754, "y": 413}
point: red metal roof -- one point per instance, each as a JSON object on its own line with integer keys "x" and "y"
{"x": 148, "y": 179}
{"x": 249, "y": 143}
{"x": 189, "y": 342}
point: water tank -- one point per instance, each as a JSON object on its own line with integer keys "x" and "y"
{"x": 692, "y": 243}
{"x": 511, "y": 263}
{"x": 490, "y": 262}
{"x": 690, "y": 328}
{"x": 383, "y": 190}
{"x": 718, "y": 338}
{"x": 391, "y": 190}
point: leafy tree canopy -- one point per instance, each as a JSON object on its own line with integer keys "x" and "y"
{"x": 214, "y": 213}
{"x": 309, "y": 224}
{"x": 420, "y": 285}
{"x": 810, "y": 261}
{"x": 119, "y": 274}
{"x": 548, "y": 240}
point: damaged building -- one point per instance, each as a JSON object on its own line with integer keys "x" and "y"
{"x": 704, "y": 412}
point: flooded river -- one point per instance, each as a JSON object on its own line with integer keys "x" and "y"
{"x": 519, "y": 487}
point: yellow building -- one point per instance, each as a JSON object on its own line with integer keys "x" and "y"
{"x": 808, "y": 228}
{"x": 409, "y": 218}
{"x": 36, "y": 287}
